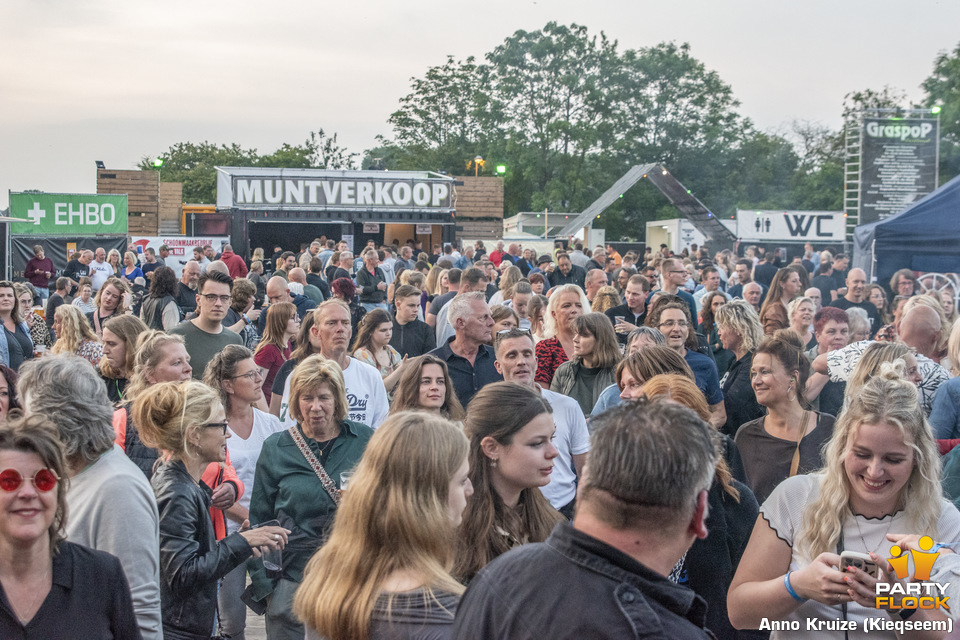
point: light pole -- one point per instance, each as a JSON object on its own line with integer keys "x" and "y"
{"x": 476, "y": 165}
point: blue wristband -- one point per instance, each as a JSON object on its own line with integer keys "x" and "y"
{"x": 793, "y": 594}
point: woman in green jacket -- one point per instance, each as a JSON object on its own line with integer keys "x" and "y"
{"x": 298, "y": 482}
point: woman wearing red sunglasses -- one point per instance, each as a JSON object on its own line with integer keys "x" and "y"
{"x": 50, "y": 588}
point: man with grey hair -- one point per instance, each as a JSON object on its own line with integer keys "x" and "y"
{"x": 473, "y": 279}
{"x": 642, "y": 502}
{"x": 468, "y": 354}
{"x": 110, "y": 501}
{"x": 187, "y": 288}
{"x": 594, "y": 280}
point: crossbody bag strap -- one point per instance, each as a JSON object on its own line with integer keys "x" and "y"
{"x": 328, "y": 485}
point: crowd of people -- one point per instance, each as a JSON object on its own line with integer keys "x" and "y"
{"x": 470, "y": 444}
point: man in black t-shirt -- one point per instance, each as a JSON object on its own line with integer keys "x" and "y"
{"x": 187, "y": 288}
{"x": 55, "y": 300}
{"x": 78, "y": 268}
{"x": 856, "y": 284}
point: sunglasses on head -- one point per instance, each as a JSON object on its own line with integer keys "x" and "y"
{"x": 44, "y": 480}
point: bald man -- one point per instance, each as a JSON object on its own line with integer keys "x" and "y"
{"x": 856, "y": 286}
{"x": 278, "y": 290}
{"x": 920, "y": 329}
{"x": 595, "y": 279}
{"x": 299, "y": 275}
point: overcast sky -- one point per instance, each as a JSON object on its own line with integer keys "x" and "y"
{"x": 115, "y": 81}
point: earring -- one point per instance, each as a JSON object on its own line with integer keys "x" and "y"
{"x": 493, "y": 463}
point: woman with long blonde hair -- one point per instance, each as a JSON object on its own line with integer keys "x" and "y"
{"x": 511, "y": 276}
{"x": 881, "y": 479}
{"x": 74, "y": 335}
{"x": 385, "y": 570}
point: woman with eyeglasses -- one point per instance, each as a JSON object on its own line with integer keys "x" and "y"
{"x": 299, "y": 476}
{"x": 281, "y": 327}
{"x": 51, "y": 588}
{"x": 188, "y": 423}
{"x": 235, "y": 374}
{"x": 789, "y": 439}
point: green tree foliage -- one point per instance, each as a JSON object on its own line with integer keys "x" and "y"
{"x": 943, "y": 90}
{"x": 195, "y": 164}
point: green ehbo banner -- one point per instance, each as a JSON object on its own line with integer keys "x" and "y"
{"x": 68, "y": 214}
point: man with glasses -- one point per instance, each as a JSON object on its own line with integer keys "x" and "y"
{"x": 674, "y": 277}
{"x": 674, "y": 323}
{"x": 205, "y": 336}
{"x": 517, "y": 362}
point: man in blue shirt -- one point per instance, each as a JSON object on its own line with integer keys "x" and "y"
{"x": 674, "y": 324}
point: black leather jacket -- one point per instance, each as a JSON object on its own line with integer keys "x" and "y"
{"x": 191, "y": 559}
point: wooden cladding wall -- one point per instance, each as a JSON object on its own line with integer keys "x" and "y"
{"x": 148, "y": 199}
{"x": 480, "y": 197}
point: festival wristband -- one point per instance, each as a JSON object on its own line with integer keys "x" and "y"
{"x": 793, "y": 594}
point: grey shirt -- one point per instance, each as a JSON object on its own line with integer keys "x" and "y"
{"x": 202, "y": 346}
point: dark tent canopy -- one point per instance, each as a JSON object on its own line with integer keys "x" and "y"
{"x": 924, "y": 237}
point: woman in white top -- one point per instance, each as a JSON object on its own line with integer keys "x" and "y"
{"x": 237, "y": 377}
{"x": 881, "y": 478}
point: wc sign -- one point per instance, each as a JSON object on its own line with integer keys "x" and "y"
{"x": 68, "y": 214}
{"x": 796, "y": 226}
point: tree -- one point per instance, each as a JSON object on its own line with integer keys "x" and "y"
{"x": 194, "y": 164}
{"x": 943, "y": 90}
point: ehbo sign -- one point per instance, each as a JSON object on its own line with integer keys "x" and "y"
{"x": 68, "y": 214}
{"x": 797, "y": 226}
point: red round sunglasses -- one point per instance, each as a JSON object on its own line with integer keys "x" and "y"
{"x": 44, "y": 480}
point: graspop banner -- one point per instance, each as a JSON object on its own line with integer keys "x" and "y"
{"x": 899, "y": 165}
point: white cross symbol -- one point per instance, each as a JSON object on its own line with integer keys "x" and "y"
{"x": 36, "y": 214}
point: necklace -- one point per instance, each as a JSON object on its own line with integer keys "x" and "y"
{"x": 33, "y": 603}
{"x": 882, "y": 538}
{"x": 325, "y": 447}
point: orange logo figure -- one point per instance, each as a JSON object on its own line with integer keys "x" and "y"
{"x": 899, "y": 562}
{"x": 922, "y": 560}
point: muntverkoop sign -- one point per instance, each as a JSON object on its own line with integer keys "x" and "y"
{"x": 323, "y": 190}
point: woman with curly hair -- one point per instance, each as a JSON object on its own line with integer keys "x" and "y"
{"x": 425, "y": 385}
{"x": 75, "y": 336}
{"x": 510, "y": 427}
{"x": 385, "y": 571}
{"x": 605, "y": 298}
{"x": 880, "y": 480}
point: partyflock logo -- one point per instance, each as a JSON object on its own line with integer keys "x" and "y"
{"x": 919, "y": 593}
